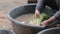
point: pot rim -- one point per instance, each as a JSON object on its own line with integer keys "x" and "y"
{"x": 48, "y": 30}
{"x": 7, "y": 31}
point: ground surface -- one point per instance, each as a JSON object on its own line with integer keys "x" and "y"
{"x": 5, "y": 6}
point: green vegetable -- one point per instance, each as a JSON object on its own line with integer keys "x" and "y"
{"x": 43, "y": 16}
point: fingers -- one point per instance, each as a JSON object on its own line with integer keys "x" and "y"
{"x": 37, "y": 14}
{"x": 44, "y": 23}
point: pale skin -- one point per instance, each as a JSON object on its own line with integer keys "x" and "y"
{"x": 44, "y": 23}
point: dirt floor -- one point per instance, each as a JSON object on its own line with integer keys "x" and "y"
{"x": 5, "y": 6}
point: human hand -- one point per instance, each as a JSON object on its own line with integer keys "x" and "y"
{"x": 37, "y": 14}
{"x": 44, "y": 23}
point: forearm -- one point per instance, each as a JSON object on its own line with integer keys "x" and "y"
{"x": 40, "y": 5}
{"x": 55, "y": 16}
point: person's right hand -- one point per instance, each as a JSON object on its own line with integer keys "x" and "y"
{"x": 37, "y": 14}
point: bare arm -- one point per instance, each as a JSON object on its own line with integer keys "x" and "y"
{"x": 55, "y": 16}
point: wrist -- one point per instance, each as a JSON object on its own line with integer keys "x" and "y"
{"x": 36, "y": 10}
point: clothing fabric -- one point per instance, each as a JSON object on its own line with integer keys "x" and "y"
{"x": 54, "y": 4}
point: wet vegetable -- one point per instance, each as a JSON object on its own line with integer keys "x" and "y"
{"x": 37, "y": 21}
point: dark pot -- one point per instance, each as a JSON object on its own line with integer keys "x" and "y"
{"x": 20, "y": 28}
{"x": 50, "y": 31}
{"x": 6, "y": 32}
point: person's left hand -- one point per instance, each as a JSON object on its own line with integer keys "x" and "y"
{"x": 44, "y": 23}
